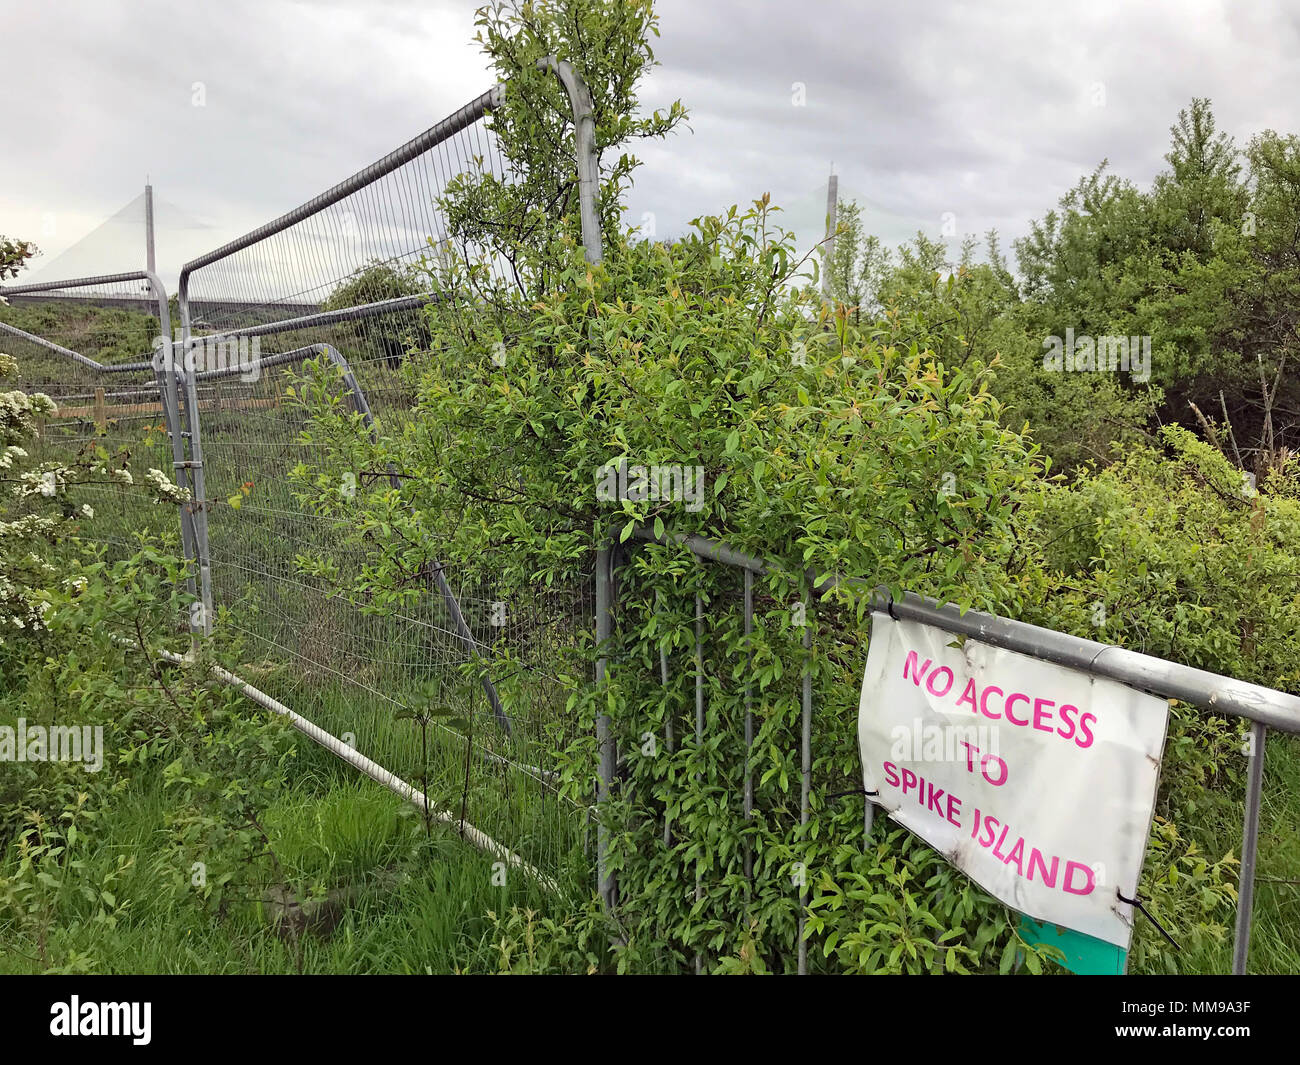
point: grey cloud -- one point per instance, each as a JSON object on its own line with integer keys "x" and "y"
{"x": 983, "y": 110}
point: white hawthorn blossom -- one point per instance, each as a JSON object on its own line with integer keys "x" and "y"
{"x": 13, "y": 451}
{"x": 165, "y": 489}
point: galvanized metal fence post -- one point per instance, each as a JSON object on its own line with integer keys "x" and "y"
{"x": 584, "y": 125}
{"x": 699, "y": 731}
{"x": 168, "y": 388}
{"x": 805, "y": 767}
{"x": 748, "y": 800}
{"x": 669, "y": 732}
{"x": 606, "y": 754}
{"x": 588, "y": 168}
{"x": 192, "y": 463}
{"x": 1249, "y": 848}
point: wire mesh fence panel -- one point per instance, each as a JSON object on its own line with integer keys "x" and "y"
{"x": 456, "y": 689}
{"x": 89, "y": 345}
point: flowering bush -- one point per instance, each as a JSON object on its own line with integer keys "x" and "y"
{"x": 39, "y": 508}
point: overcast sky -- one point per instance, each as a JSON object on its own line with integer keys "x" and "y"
{"x": 988, "y": 111}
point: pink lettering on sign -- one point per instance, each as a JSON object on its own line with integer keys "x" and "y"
{"x": 925, "y": 793}
{"x": 997, "y": 776}
{"x": 1089, "y": 880}
{"x": 1027, "y": 860}
{"x": 1022, "y": 709}
{"x": 914, "y": 668}
{"x": 934, "y": 677}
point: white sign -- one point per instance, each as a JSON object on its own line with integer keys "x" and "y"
{"x": 1036, "y": 780}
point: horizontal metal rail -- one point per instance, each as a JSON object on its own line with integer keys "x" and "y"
{"x": 1171, "y": 680}
{"x": 160, "y": 294}
{"x": 68, "y": 353}
{"x": 283, "y": 358}
{"x": 312, "y": 321}
{"x": 82, "y": 282}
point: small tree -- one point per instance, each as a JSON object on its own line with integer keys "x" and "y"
{"x": 393, "y": 335}
{"x": 608, "y": 44}
{"x": 859, "y": 264}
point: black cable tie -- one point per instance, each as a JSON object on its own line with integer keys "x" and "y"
{"x": 890, "y": 608}
{"x": 853, "y": 791}
{"x": 1135, "y": 901}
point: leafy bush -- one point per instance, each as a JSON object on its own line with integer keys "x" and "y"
{"x": 820, "y": 449}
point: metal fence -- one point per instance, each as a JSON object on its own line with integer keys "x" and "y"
{"x": 88, "y": 344}
{"x": 1264, "y": 708}
{"x": 343, "y": 279}
{"x": 336, "y": 279}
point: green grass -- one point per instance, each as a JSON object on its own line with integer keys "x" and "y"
{"x": 1275, "y": 937}
{"x": 420, "y": 899}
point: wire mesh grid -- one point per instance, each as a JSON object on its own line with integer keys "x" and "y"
{"x": 90, "y": 349}
{"x": 347, "y": 275}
